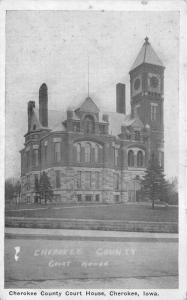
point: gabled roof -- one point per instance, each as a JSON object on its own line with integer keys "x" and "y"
{"x": 147, "y": 55}
{"x": 88, "y": 105}
{"x": 133, "y": 122}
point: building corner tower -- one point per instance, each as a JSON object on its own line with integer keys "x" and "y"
{"x": 147, "y": 96}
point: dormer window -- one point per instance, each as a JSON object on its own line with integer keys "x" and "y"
{"x": 89, "y": 124}
{"x": 76, "y": 127}
{"x": 131, "y": 158}
{"x": 102, "y": 129}
{"x": 137, "y": 135}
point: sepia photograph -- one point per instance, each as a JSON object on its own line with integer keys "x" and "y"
{"x": 91, "y": 152}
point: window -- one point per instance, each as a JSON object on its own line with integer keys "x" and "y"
{"x": 137, "y": 135}
{"x": 35, "y": 157}
{"x": 89, "y": 124}
{"x": 36, "y": 179}
{"x": 140, "y": 159}
{"x": 161, "y": 158}
{"x": 28, "y": 199}
{"x": 76, "y": 127}
{"x": 97, "y": 180}
{"x": 87, "y": 152}
{"x": 115, "y": 156}
{"x": 57, "y": 152}
{"x": 116, "y": 181}
{"x": 97, "y": 198}
{"x": 102, "y": 129}
{"x": 153, "y": 111}
{"x": 79, "y": 197}
{"x": 96, "y": 153}
{"x": 78, "y": 180}
{"x": 45, "y": 152}
{"x": 88, "y": 198}
{"x": 28, "y": 182}
{"x": 131, "y": 158}
{"x": 136, "y": 110}
{"x": 87, "y": 179}
{"x": 78, "y": 149}
{"x": 57, "y": 173}
{"x": 116, "y": 198}
{"x": 34, "y": 127}
{"x": 57, "y": 198}
{"x": 27, "y": 159}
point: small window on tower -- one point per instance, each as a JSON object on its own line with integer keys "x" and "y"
{"x": 34, "y": 127}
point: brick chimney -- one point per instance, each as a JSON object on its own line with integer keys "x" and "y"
{"x": 120, "y": 98}
{"x": 30, "y": 106}
{"x": 43, "y": 105}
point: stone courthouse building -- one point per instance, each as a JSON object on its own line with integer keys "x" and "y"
{"x": 92, "y": 156}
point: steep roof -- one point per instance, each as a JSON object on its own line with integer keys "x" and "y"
{"x": 116, "y": 120}
{"x": 147, "y": 55}
{"x": 88, "y": 105}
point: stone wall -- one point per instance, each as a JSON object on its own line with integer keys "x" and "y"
{"x": 107, "y": 188}
{"x": 169, "y": 227}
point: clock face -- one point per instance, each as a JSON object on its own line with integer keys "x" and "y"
{"x": 137, "y": 84}
{"x": 154, "y": 82}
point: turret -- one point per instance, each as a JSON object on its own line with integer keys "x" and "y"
{"x": 147, "y": 89}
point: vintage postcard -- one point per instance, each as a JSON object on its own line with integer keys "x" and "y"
{"x": 93, "y": 142}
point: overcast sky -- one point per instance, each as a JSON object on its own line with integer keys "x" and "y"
{"x": 53, "y": 47}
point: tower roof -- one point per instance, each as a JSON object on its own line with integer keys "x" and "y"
{"x": 147, "y": 55}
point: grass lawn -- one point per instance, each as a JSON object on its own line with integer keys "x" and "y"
{"x": 103, "y": 212}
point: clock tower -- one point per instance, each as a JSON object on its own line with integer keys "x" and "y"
{"x": 147, "y": 89}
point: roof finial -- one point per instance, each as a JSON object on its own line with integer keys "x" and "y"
{"x": 146, "y": 40}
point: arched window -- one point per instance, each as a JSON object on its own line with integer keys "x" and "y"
{"x": 131, "y": 158}
{"x": 140, "y": 159}
{"x": 87, "y": 152}
{"x": 57, "y": 152}
{"x": 96, "y": 153}
{"x": 116, "y": 156}
{"x": 89, "y": 124}
{"x": 35, "y": 157}
{"x": 78, "y": 148}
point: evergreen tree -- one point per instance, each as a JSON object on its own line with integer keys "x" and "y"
{"x": 45, "y": 188}
{"x": 154, "y": 183}
{"x": 9, "y": 190}
{"x": 12, "y": 189}
{"x": 37, "y": 189}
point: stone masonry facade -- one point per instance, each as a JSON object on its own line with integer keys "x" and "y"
{"x": 93, "y": 156}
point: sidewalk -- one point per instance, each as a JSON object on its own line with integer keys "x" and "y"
{"x": 72, "y": 234}
{"x": 159, "y": 282}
